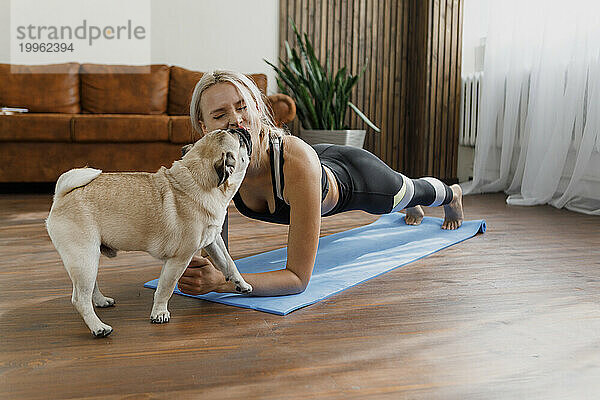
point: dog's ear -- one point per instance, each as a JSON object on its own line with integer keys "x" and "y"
{"x": 186, "y": 148}
{"x": 225, "y": 167}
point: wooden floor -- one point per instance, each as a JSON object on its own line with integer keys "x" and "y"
{"x": 511, "y": 314}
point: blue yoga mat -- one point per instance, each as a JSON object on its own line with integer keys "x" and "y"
{"x": 348, "y": 258}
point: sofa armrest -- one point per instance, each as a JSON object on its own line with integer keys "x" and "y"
{"x": 283, "y": 108}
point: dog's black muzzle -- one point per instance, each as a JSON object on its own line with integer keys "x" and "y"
{"x": 245, "y": 138}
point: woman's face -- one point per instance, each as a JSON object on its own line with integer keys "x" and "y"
{"x": 223, "y": 107}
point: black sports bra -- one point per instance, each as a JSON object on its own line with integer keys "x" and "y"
{"x": 281, "y": 215}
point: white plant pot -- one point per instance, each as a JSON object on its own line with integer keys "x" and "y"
{"x": 348, "y": 137}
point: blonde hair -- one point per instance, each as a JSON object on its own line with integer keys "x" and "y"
{"x": 259, "y": 115}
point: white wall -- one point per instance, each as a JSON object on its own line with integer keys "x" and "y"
{"x": 209, "y": 34}
{"x": 202, "y": 34}
{"x": 475, "y": 24}
{"x": 4, "y": 31}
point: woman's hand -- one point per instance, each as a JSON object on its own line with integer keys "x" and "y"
{"x": 201, "y": 277}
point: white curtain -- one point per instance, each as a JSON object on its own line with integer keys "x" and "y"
{"x": 539, "y": 128}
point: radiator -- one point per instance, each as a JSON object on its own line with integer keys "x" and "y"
{"x": 469, "y": 108}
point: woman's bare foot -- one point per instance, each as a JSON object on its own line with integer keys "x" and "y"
{"x": 454, "y": 211}
{"x": 414, "y": 215}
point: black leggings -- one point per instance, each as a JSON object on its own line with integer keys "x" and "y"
{"x": 366, "y": 183}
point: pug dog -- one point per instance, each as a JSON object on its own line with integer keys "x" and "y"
{"x": 170, "y": 214}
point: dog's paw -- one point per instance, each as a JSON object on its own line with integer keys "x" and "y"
{"x": 243, "y": 287}
{"x": 104, "y": 302}
{"x": 160, "y": 318}
{"x": 102, "y": 331}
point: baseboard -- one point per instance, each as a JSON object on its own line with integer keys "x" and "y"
{"x": 27, "y": 187}
{"x": 450, "y": 181}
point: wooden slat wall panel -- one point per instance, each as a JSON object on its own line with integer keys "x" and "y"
{"x": 411, "y": 87}
{"x": 434, "y": 54}
{"x": 457, "y": 15}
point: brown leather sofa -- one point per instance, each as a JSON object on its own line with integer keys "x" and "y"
{"x": 103, "y": 116}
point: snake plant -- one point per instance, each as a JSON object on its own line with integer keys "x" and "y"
{"x": 322, "y": 97}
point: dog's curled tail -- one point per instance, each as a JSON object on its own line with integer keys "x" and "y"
{"x": 73, "y": 179}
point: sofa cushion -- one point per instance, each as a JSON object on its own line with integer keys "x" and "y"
{"x": 41, "y": 88}
{"x": 35, "y": 128}
{"x": 123, "y": 89}
{"x": 44, "y": 162}
{"x": 181, "y": 130}
{"x": 182, "y": 83}
{"x": 120, "y": 128}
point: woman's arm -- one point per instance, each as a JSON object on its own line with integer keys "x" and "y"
{"x": 302, "y": 171}
{"x": 302, "y": 191}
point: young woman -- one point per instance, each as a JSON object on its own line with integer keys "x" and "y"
{"x": 291, "y": 182}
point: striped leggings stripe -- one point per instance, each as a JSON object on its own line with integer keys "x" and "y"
{"x": 430, "y": 192}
